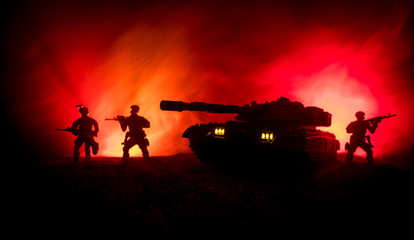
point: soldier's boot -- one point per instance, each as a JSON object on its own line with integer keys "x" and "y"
{"x": 145, "y": 154}
{"x": 144, "y": 149}
{"x": 76, "y": 155}
{"x": 370, "y": 157}
{"x": 87, "y": 154}
{"x": 125, "y": 156}
{"x": 349, "y": 157}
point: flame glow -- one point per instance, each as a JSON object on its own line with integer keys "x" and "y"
{"x": 111, "y": 56}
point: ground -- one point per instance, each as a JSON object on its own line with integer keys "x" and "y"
{"x": 178, "y": 195}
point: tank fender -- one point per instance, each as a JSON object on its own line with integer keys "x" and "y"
{"x": 196, "y": 132}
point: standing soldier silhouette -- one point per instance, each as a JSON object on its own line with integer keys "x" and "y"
{"x": 86, "y": 128}
{"x": 135, "y": 135}
{"x": 358, "y": 129}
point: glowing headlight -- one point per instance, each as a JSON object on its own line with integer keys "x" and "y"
{"x": 267, "y": 136}
{"x": 219, "y": 131}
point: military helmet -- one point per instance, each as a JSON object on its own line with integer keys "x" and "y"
{"x": 84, "y": 110}
{"x": 359, "y": 114}
{"x": 134, "y": 108}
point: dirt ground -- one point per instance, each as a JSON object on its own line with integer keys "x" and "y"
{"x": 179, "y": 196}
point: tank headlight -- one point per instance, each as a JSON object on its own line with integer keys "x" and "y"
{"x": 267, "y": 136}
{"x": 219, "y": 131}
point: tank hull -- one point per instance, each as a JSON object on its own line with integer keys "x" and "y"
{"x": 222, "y": 143}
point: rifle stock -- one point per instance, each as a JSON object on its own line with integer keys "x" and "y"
{"x": 63, "y": 129}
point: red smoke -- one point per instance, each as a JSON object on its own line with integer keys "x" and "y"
{"x": 343, "y": 57}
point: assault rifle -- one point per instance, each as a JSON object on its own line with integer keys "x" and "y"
{"x": 379, "y": 119}
{"x": 120, "y": 118}
{"x": 117, "y": 118}
{"x": 68, "y": 129}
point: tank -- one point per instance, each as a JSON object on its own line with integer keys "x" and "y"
{"x": 274, "y": 131}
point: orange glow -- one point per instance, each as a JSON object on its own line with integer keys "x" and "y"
{"x": 335, "y": 91}
{"x": 342, "y": 80}
{"x": 141, "y": 72}
{"x": 112, "y": 56}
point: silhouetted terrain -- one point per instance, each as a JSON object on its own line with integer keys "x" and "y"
{"x": 178, "y": 195}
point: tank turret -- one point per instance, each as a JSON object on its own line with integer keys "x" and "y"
{"x": 272, "y": 128}
{"x": 282, "y": 111}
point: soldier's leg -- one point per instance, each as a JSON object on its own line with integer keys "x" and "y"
{"x": 95, "y": 146}
{"x": 87, "y": 150}
{"x": 143, "y": 146}
{"x": 127, "y": 145}
{"x": 351, "y": 150}
{"x": 145, "y": 153}
{"x": 367, "y": 148}
{"x": 76, "y": 153}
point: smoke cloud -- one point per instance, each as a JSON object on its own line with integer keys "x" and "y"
{"x": 343, "y": 57}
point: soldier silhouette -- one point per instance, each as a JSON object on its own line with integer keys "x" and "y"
{"x": 135, "y": 135}
{"x": 86, "y": 128}
{"x": 358, "y": 129}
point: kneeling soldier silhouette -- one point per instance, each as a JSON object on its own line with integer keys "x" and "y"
{"x": 86, "y": 128}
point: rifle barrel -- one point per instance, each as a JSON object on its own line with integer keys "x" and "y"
{"x": 380, "y": 118}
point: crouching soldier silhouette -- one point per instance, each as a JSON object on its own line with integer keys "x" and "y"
{"x": 358, "y": 129}
{"x": 135, "y": 135}
{"x": 86, "y": 128}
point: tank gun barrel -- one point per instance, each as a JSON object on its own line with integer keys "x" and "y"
{"x": 179, "y": 106}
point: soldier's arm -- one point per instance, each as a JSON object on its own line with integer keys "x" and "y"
{"x": 75, "y": 125}
{"x": 74, "y": 129}
{"x": 350, "y": 128}
{"x": 145, "y": 123}
{"x": 372, "y": 127}
{"x": 123, "y": 124}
